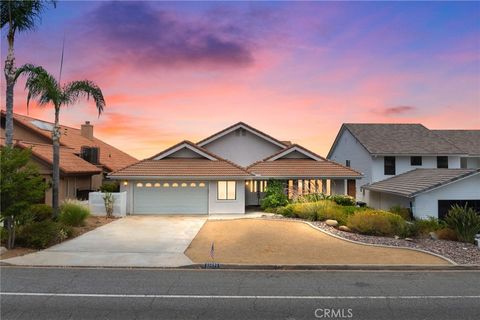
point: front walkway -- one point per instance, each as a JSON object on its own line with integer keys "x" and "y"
{"x": 134, "y": 241}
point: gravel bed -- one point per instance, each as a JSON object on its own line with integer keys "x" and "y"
{"x": 459, "y": 252}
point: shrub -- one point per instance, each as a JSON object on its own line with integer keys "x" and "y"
{"x": 73, "y": 213}
{"x": 446, "y": 234}
{"x": 376, "y": 222}
{"x": 343, "y": 200}
{"x": 286, "y": 211}
{"x": 274, "y": 195}
{"x": 464, "y": 221}
{"x": 402, "y": 212}
{"x": 306, "y": 210}
{"x": 40, "y": 235}
{"x": 330, "y": 210}
{"x": 41, "y": 212}
{"x": 425, "y": 226}
{"x": 110, "y": 187}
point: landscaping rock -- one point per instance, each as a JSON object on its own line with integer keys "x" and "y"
{"x": 332, "y": 223}
{"x": 408, "y": 239}
{"x": 433, "y": 236}
{"x": 3, "y": 250}
{"x": 345, "y": 228}
{"x": 397, "y": 237}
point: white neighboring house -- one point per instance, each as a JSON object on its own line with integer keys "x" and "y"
{"x": 226, "y": 172}
{"x": 383, "y": 151}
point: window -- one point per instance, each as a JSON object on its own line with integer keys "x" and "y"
{"x": 90, "y": 154}
{"x": 389, "y": 166}
{"x": 148, "y": 185}
{"x": 226, "y": 190}
{"x": 442, "y": 162}
{"x": 415, "y": 161}
{"x": 347, "y": 163}
{"x": 157, "y": 185}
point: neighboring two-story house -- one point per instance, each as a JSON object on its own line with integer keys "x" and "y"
{"x": 84, "y": 159}
{"x": 226, "y": 172}
{"x": 410, "y": 161}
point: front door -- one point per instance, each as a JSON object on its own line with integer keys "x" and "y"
{"x": 351, "y": 188}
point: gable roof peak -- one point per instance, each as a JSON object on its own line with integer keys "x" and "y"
{"x": 246, "y": 126}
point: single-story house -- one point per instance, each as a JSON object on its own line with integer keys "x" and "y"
{"x": 428, "y": 192}
{"x": 226, "y": 172}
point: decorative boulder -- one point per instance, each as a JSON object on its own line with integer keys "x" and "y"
{"x": 433, "y": 236}
{"x": 332, "y": 223}
{"x": 345, "y": 228}
{"x": 408, "y": 239}
{"x": 3, "y": 250}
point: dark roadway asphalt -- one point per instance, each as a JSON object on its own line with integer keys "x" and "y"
{"x": 56, "y": 293}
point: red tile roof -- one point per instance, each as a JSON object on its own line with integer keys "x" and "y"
{"x": 302, "y": 168}
{"x": 70, "y": 163}
{"x": 110, "y": 157}
{"x": 182, "y": 167}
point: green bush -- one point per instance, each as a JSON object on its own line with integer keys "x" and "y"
{"x": 274, "y": 195}
{"x": 110, "y": 187}
{"x": 425, "y": 226}
{"x": 377, "y": 222}
{"x": 41, "y": 212}
{"x": 313, "y": 197}
{"x": 40, "y": 235}
{"x": 343, "y": 200}
{"x": 330, "y": 210}
{"x": 464, "y": 221}
{"x": 402, "y": 212}
{"x": 286, "y": 211}
{"x": 306, "y": 210}
{"x": 73, "y": 213}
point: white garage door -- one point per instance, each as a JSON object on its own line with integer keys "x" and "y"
{"x": 170, "y": 197}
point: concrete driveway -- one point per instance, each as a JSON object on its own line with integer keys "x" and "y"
{"x": 134, "y": 241}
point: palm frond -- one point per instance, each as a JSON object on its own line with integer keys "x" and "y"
{"x": 85, "y": 88}
{"x": 41, "y": 85}
{"x": 23, "y": 15}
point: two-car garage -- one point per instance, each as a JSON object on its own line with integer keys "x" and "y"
{"x": 170, "y": 197}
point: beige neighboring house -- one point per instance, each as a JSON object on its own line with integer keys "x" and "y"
{"x": 84, "y": 160}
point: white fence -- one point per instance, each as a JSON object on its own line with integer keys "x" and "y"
{"x": 97, "y": 205}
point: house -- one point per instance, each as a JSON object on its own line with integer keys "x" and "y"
{"x": 226, "y": 172}
{"x": 381, "y": 152}
{"x": 84, "y": 159}
{"x": 428, "y": 192}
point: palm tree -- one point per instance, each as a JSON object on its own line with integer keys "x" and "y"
{"x": 19, "y": 15}
{"x": 43, "y": 87}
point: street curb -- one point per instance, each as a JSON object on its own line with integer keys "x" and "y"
{"x": 279, "y": 267}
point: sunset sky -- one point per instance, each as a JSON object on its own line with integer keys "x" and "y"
{"x": 297, "y": 71}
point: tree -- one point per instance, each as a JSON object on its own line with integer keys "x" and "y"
{"x": 21, "y": 185}
{"x": 18, "y": 15}
{"x": 43, "y": 87}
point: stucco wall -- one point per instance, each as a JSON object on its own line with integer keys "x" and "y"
{"x": 348, "y": 148}
{"x": 242, "y": 149}
{"x": 385, "y": 201}
{"x": 226, "y": 206}
{"x": 426, "y": 204}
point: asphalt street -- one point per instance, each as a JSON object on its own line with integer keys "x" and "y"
{"x": 69, "y": 293}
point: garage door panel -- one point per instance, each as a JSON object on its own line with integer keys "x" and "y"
{"x": 181, "y": 200}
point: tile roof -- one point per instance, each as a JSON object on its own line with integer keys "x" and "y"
{"x": 243, "y": 124}
{"x": 182, "y": 167}
{"x": 70, "y": 163}
{"x": 294, "y": 146}
{"x": 466, "y": 140}
{"x": 110, "y": 157}
{"x": 408, "y": 139}
{"x": 417, "y": 181}
{"x": 302, "y": 168}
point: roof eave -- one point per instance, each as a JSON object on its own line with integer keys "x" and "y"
{"x": 189, "y": 177}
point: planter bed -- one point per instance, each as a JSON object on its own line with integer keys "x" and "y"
{"x": 459, "y": 252}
